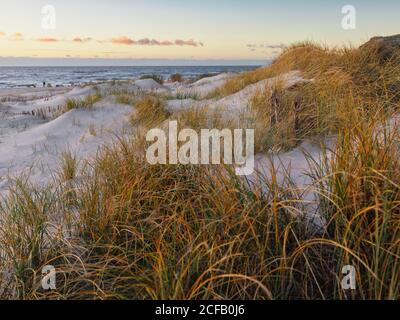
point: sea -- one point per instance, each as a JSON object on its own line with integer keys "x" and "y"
{"x": 13, "y": 77}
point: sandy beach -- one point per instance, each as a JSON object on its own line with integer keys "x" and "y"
{"x": 179, "y": 152}
{"x": 33, "y": 135}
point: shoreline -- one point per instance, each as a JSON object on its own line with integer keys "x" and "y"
{"x": 75, "y": 76}
{"x": 34, "y": 131}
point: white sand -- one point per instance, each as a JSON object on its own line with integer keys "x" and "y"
{"x": 234, "y": 104}
{"x": 204, "y": 86}
{"x": 151, "y": 85}
{"x": 32, "y": 146}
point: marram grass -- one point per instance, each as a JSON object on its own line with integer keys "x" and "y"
{"x": 128, "y": 230}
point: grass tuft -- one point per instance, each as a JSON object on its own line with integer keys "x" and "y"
{"x": 157, "y": 78}
{"x": 149, "y": 110}
{"x": 85, "y": 103}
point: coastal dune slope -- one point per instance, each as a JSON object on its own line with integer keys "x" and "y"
{"x": 35, "y": 149}
{"x": 324, "y": 194}
{"x": 32, "y": 145}
{"x": 34, "y": 131}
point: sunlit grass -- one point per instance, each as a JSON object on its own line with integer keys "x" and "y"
{"x": 149, "y": 110}
{"x": 128, "y": 230}
{"x": 86, "y": 102}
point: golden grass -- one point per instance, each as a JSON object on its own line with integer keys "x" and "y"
{"x": 128, "y": 230}
{"x": 126, "y": 99}
{"x": 198, "y": 118}
{"x": 149, "y": 110}
{"x": 69, "y": 167}
{"x": 364, "y": 67}
{"x": 193, "y": 232}
{"x": 86, "y": 102}
{"x": 342, "y": 80}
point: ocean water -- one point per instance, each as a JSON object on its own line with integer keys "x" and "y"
{"x": 11, "y": 77}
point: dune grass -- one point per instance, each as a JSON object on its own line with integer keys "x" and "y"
{"x": 198, "y": 118}
{"x": 193, "y": 232}
{"x": 149, "y": 110}
{"x": 186, "y": 95}
{"x": 364, "y": 67}
{"x": 128, "y": 99}
{"x": 86, "y": 102}
{"x": 69, "y": 167}
{"x": 156, "y": 77}
{"x": 341, "y": 81}
{"x": 128, "y": 230}
{"x": 176, "y": 77}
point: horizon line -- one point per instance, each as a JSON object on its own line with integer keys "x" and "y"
{"x": 125, "y": 62}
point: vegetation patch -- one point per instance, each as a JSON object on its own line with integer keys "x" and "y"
{"x": 156, "y": 77}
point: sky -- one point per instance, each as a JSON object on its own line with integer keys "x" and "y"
{"x": 177, "y": 31}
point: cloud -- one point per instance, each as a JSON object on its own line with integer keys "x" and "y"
{"x": 47, "y": 40}
{"x": 153, "y": 42}
{"x": 17, "y": 36}
{"x": 81, "y": 40}
{"x": 147, "y": 42}
{"x": 267, "y": 46}
{"x": 190, "y": 42}
{"x": 166, "y": 43}
{"x": 264, "y": 48}
{"x": 273, "y": 46}
{"x": 123, "y": 40}
{"x": 2, "y": 34}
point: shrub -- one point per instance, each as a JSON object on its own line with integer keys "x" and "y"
{"x": 156, "y": 77}
{"x": 177, "y": 77}
{"x": 205, "y": 75}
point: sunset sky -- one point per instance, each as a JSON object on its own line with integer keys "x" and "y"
{"x": 184, "y": 29}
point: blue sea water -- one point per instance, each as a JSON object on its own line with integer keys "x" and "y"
{"x": 64, "y": 76}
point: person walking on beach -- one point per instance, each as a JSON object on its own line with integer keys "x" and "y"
{"x": 44, "y": 84}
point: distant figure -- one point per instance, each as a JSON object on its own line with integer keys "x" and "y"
{"x": 44, "y": 84}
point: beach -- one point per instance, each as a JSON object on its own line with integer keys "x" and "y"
{"x": 35, "y": 133}
{"x": 76, "y": 179}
